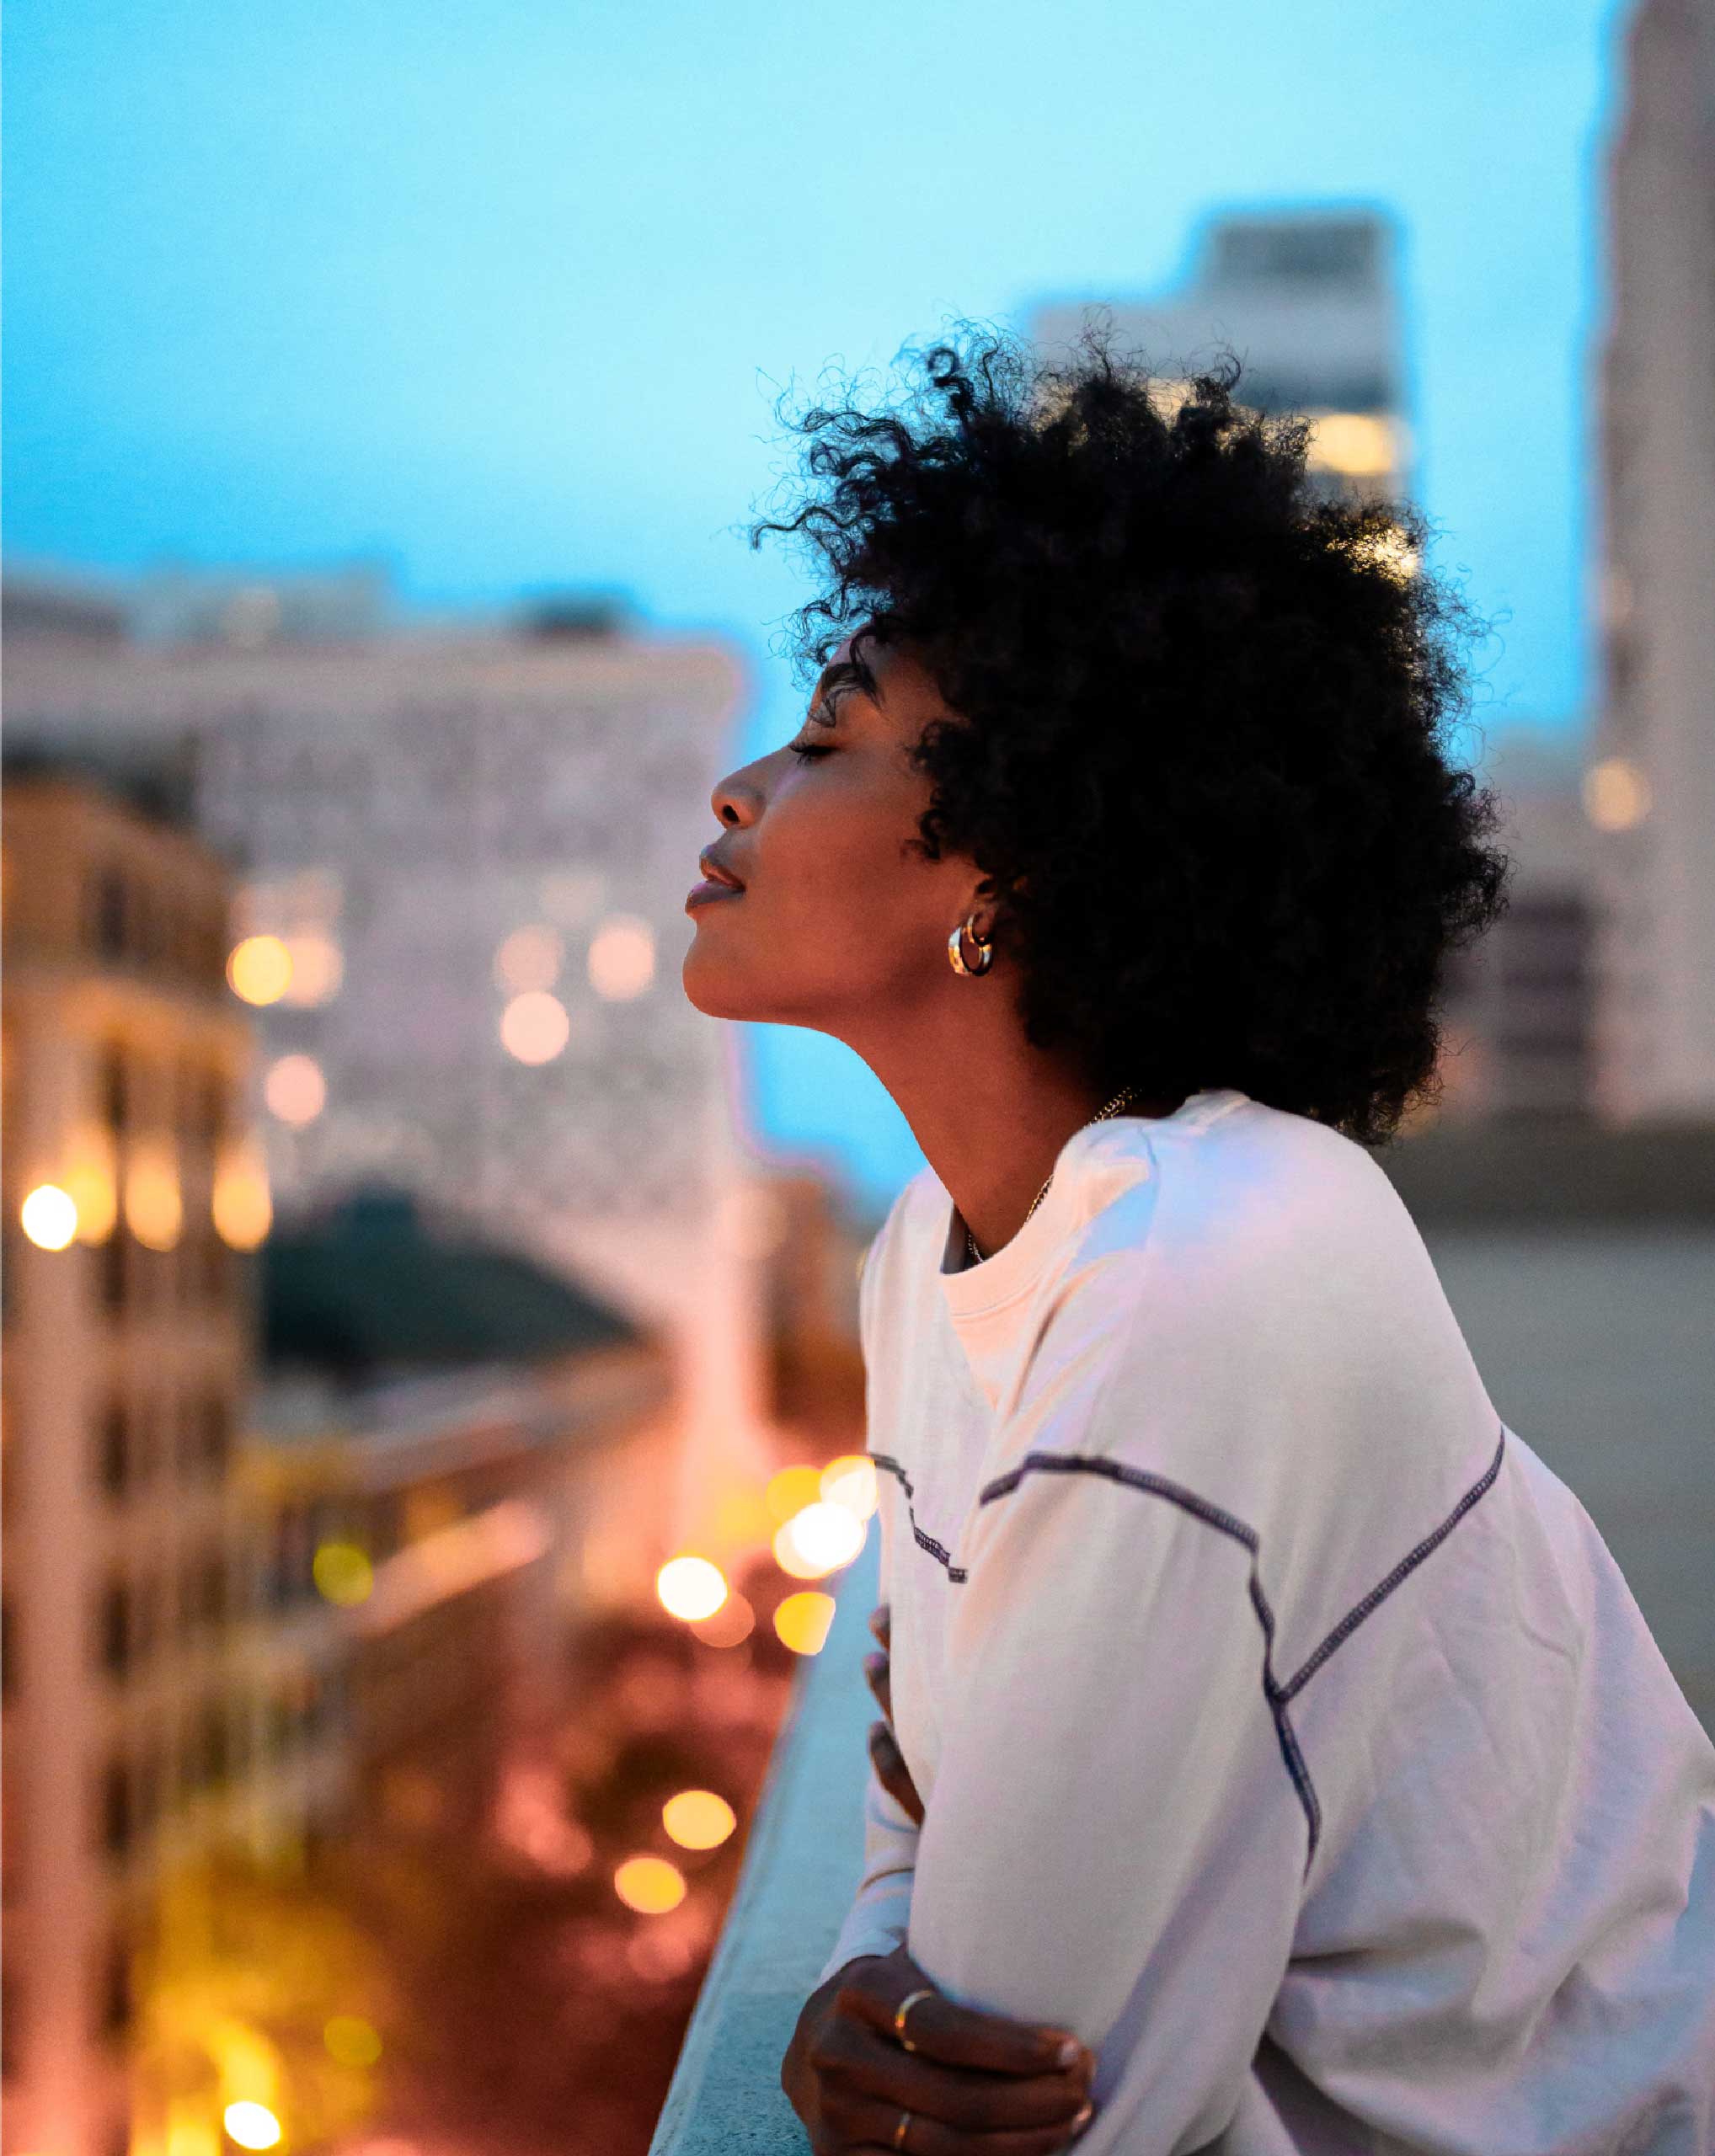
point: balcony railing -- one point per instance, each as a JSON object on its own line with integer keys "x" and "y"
{"x": 801, "y": 1869}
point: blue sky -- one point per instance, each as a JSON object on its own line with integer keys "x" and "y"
{"x": 505, "y": 294}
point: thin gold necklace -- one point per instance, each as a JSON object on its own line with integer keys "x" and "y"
{"x": 1113, "y": 1108}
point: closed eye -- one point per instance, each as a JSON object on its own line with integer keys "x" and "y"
{"x": 807, "y": 750}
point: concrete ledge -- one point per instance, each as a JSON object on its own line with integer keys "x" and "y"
{"x": 801, "y": 1869}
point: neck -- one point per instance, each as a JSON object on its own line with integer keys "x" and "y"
{"x": 991, "y": 1112}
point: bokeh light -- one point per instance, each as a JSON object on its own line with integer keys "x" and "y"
{"x": 802, "y": 1620}
{"x": 534, "y": 1027}
{"x": 295, "y": 1090}
{"x": 690, "y": 1586}
{"x": 820, "y": 1539}
{"x": 153, "y": 1210}
{"x": 49, "y": 1216}
{"x": 698, "y": 1819}
{"x": 529, "y": 958}
{"x": 1615, "y": 794}
{"x": 650, "y": 1885}
{"x": 91, "y": 1179}
{"x": 252, "y": 2125}
{"x": 791, "y": 1490}
{"x": 343, "y": 1573}
{"x": 850, "y": 1480}
{"x": 259, "y": 969}
{"x": 351, "y": 2041}
{"x": 729, "y": 1626}
{"x": 239, "y": 1204}
{"x": 622, "y": 961}
{"x": 317, "y": 969}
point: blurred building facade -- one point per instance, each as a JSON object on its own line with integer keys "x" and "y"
{"x": 132, "y": 1188}
{"x": 461, "y": 855}
{"x": 1651, "y": 784}
{"x": 1520, "y": 1007}
{"x": 1309, "y": 301}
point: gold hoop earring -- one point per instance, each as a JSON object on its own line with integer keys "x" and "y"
{"x": 985, "y": 944}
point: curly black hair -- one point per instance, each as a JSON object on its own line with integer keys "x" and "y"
{"x": 1197, "y": 742}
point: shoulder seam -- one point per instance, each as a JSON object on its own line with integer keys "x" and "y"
{"x": 1278, "y": 1696}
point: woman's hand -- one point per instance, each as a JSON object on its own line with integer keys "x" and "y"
{"x": 976, "y": 2084}
{"x": 890, "y": 1768}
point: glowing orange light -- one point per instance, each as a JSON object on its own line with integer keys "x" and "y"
{"x": 1615, "y": 794}
{"x": 259, "y": 969}
{"x": 791, "y": 1490}
{"x": 153, "y": 1211}
{"x": 802, "y": 1620}
{"x": 820, "y": 1539}
{"x": 850, "y": 1480}
{"x": 698, "y": 1819}
{"x": 650, "y": 1885}
{"x": 49, "y": 1216}
{"x": 690, "y": 1586}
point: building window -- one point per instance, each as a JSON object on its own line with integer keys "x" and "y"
{"x": 211, "y": 1591}
{"x": 116, "y": 1820}
{"x": 115, "y": 1628}
{"x": 212, "y": 1755}
{"x": 115, "y": 1459}
{"x": 108, "y": 924}
{"x": 115, "y": 1088}
{"x": 116, "y": 1265}
{"x": 115, "y": 2006}
{"x": 217, "y": 1437}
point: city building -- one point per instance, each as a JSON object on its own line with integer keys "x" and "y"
{"x": 462, "y": 853}
{"x": 1518, "y": 1014}
{"x": 1308, "y": 301}
{"x": 1650, "y": 786}
{"x": 455, "y": 1458}
{"x": 132, "y": 1190}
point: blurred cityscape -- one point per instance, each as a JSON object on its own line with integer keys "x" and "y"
{"x": 433, "y": 1416}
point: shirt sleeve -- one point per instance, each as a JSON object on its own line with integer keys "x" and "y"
{"x": 877, "y": 1920}
{"x": 1115, "y": 1841}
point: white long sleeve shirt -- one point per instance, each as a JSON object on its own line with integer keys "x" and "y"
{"x": 1283, "y": 1725}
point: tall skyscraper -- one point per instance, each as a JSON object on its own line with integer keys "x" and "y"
{"x": 1308, "y": 302}
{"x": 1650, "y": 785}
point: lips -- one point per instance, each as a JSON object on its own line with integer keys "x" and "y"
{"x": 717, "y": 872}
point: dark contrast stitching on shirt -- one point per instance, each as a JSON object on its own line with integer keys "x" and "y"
{"x": 1279, "y": 1696}
{"x": 1379, "y": 1593}
{"x": 956, "y": 1574}
{"x": 1224, "y": 1523}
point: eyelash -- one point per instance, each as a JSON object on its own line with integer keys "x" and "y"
{"x": 809, "y": 752}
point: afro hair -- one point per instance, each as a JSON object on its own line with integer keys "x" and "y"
{"x": 1199, "y": 715}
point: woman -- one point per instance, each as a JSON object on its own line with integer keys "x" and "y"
{"x": 1274, "y": 1730}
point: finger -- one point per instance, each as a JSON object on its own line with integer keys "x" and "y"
{"x": 879, "y": 1674}
{"x": 881, "y": 1622}
{"x": 892, "y": 1772}
{"x": 928, "y": 2137}
{"x": 942, "y": 2031}
{"x": 865, "y": 2066}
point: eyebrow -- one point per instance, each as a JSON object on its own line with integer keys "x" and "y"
{"x": 839, "y": 679}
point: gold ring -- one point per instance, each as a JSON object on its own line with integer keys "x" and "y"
{"x": 902, "y": 2129}
{"x": 899, "y": 2022}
